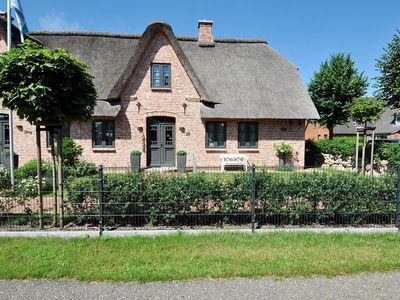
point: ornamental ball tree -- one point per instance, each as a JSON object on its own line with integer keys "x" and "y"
{"x": 46, "y": 86}
{"x": 365, "y": 110}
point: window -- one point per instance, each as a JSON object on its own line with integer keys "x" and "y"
{"x": 103, "y": 134}
{"x": 6, "y": 135}
{"x": 215, "y": 134}
{"x": 248, "y": 134}
{"x": 397, "y": 121}
{"x": 161, "y": 75}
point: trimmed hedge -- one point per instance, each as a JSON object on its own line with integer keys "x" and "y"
{"x": 194, "y": 199}
{"x": 389, "y": 152}
{"x": 344, "y": 146}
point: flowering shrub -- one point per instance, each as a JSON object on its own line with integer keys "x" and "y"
{"x": 283, "y": 149}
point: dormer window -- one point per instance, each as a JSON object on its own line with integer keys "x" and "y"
{"x": 161, "y": 76}
{"x": 397, "y": 120}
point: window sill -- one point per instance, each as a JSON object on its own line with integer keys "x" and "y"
{"x": 216, "y": 150}
{"x": 103, "y": 149}
{"x": 161, "y": 89}
{"x": 248, "y": 150}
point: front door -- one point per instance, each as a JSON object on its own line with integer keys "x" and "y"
{"x": 161, "y": 142}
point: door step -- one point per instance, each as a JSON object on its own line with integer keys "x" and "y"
{"x": 160, "y": 169}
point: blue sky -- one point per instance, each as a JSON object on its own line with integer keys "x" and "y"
{"x": 306, "y": 31}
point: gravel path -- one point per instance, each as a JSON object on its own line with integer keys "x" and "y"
{"x": 367, "y": 286}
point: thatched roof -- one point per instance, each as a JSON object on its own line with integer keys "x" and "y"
{"x": 106, "y": 109}
{"x": 385, "y": 125}
{"x": 106, "y": 54}
{"x": 237, "y": 78}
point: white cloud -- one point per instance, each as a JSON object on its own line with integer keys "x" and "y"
{"x": 56, "y": 21}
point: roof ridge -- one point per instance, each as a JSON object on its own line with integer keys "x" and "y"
{"x": 138, "y": 36}
{"x": 85, "y": 33}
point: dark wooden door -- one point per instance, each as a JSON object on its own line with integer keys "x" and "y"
{"x": 161, "y": 142}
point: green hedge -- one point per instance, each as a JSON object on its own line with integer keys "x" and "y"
{"x": 26, "y": 176}
{"x": 389, "y": 152}
{"x": 282, "y": 198}
{"x": 344, "y": 146}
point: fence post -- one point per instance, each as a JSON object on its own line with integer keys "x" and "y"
{"x": 398, "y": 200}
{"x": 253, "y": 199}
{"x": 101, "y": 198}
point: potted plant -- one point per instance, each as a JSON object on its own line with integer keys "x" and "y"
{"x": 181, "y": 160}
{"x": 283, "y": 151}
{"x": 5, "y": 159}
{"x": 135, "y": 160}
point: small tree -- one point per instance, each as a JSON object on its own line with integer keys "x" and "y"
{"x": 364, "y": 111}
{"x": 388, "y": 83}
{"x": 71, "y": 152}
{"x": 46, "y": 87}
{"x": 333, "y": 88}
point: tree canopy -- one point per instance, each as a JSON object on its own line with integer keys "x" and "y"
{"x": 46, "y": 86}
{"x": 365, "y": 110}
{"x": 334, "y": 87}
{"x": 388, "y": 65}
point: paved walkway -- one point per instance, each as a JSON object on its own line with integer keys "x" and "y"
{"x": 367, "y": 286}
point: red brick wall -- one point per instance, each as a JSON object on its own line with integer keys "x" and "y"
{"x": 316, "y": 132}
{"x": 205, "y": 32}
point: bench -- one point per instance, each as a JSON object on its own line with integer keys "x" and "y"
{"x": 233, "y": 160}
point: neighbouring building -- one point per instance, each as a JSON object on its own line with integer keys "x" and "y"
{"x": 388, "y": 126}
{"x": 316, "y": 132}
{"x": 159, "y": 93}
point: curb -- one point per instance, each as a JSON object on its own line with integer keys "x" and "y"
{"x": 126, "y": 233}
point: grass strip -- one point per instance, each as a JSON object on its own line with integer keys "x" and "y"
{"x": 180, "y": 256}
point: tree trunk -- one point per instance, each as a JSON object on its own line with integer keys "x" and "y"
{"x": 357, "y": 147}
{"x": 363, "y": 149}
{"x": 39, "y": 175}
{"x": 330, "y": 128}
{"x": 60, "y": 177}
{"x": 54, "y": 173}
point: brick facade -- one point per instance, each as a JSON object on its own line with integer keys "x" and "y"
{"x": 190, "y": 128}
{"x": 182, "y": 102}
{"x": 316, "y": 132}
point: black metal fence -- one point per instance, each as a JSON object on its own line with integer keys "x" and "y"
{"x": 260, "y": 198}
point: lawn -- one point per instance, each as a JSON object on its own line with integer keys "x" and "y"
{"x": 176, "y": 257}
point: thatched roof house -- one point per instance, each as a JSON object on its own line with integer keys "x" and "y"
{"x": 211, "y": 97}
